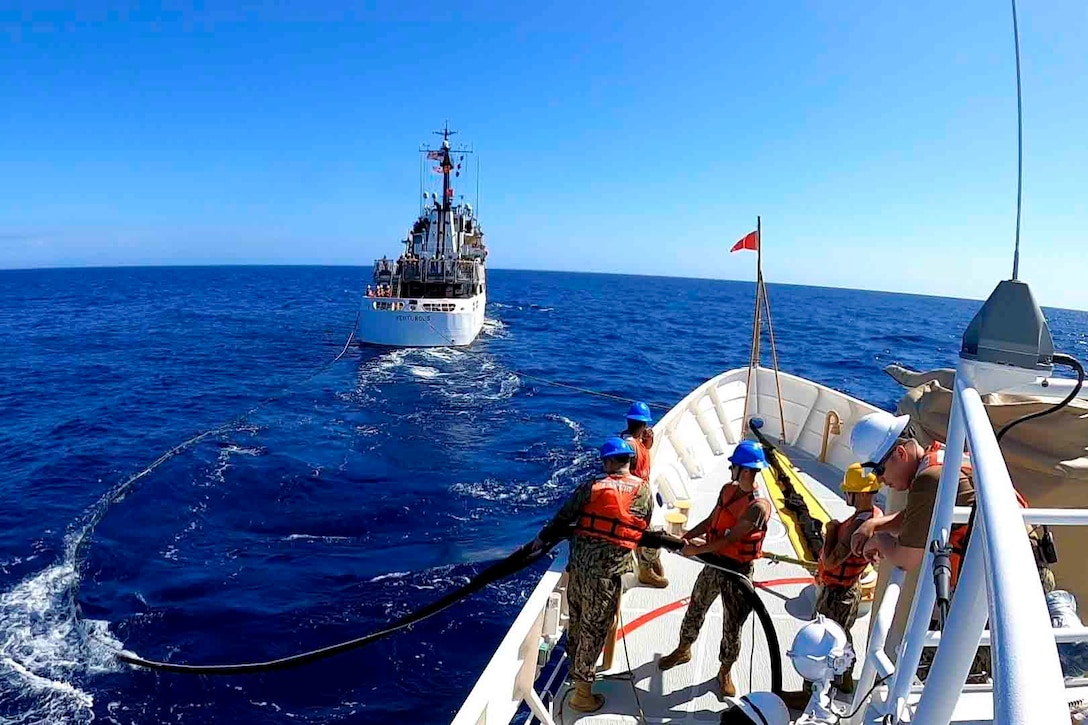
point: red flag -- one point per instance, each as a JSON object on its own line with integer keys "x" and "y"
{"x": 750, "y": 241}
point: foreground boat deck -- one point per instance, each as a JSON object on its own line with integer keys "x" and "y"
{"x": 650, "y": 622}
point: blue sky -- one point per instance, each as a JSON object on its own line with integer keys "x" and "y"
{"x": 877, "y": 140}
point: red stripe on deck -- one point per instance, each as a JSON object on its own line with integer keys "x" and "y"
{"x": 681, "y": 603}
{"x": 651, "y": 616}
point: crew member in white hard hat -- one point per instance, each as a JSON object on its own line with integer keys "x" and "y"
{"x": 887, "y": 446}
{"x": 756, "y": 708}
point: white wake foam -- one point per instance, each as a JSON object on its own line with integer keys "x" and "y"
{"x": 494, "y": 328}
{"x": 44, "y": 648}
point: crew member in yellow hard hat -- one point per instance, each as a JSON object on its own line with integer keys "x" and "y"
{"x": 838, "y": 594}
{"x": 640, "y": 436}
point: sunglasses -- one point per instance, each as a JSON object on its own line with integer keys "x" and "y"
{"x": 878, "y": 467}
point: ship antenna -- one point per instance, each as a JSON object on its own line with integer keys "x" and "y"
{"x": 1019, "y": 145}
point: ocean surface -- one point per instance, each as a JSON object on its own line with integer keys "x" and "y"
{"x": 351, "y": 496}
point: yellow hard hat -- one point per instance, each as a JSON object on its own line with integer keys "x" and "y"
{"x": 857, "y": 481}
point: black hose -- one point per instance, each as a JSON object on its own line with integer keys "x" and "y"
{"x": 661, "y": 540}
{"x": 520, "y": 559}
{"x": 1061, "y": 359}
{"x": 773, "y": 646}
{"x": 512, "y": 564}
{"x": 1068, "y": 360}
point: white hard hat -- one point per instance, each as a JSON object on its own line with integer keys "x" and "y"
{"x": 820, "y": 650}
{"x": 763, "y": 708}
{"x": 873, "y": 435}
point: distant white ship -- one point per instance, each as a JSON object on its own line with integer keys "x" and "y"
{"x": 434, "y": 293}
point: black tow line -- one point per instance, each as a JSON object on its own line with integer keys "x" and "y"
{"x": 520, "y": 559}
{"x": 512, "y": 564}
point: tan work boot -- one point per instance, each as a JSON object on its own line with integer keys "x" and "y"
{"x": 583, "y": 699}
{"x": 648, "y": 576}
{"x": 725, "y": 682}
{"x": 678, "y": 656}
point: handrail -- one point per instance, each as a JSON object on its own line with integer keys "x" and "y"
{"x": 1035, "y": 517}
{"x": 1062, "y": 635}
{"x": 999, "y": 576}
{"x": 507, "y": 680}
{"x": 876, "y": 660}
{"x": 1028, "y": 681}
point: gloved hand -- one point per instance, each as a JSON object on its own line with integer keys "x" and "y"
{"x": 648, "y": 437}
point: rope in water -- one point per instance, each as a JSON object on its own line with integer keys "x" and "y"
{"x": 509, "y": 566}
{"x": 517, "y": 561}
{"x": 120, "y": 491}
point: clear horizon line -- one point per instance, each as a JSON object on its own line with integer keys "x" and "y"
{"x": 499, "y": 269}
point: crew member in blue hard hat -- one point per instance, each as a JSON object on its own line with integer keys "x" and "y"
{"x": 606, "y": 518}
{"x": 640, "y": 436}
{"x": 734, "y": 533}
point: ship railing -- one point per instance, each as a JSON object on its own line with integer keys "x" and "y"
{"x": 445, "y": 270}
{"x": 998, "y": 584}
{"x": 509, "y": 680}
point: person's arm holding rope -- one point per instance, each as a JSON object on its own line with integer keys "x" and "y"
{"x": 561, "y": 524}
{"x": 891, "y": 524}
{"x": 753, "y": 518}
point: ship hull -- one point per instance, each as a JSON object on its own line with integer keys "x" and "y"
{"x": 424, "y": 322}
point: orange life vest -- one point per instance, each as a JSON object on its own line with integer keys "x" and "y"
{"x": 608, "y": 514}
{"x": 847, "y": 574}
{"x": 732, "y": 503}
{"x": 957, "y": 536}
{"x": 640, "y": 467}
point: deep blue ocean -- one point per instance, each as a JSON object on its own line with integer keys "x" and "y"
{"x": 352, "y": 498}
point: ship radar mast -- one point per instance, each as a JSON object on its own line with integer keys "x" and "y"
{"x": 444, "y": 155}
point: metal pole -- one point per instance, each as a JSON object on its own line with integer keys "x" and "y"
{"x": 1019, "y": 145}
{"x": 774, "y": 359}
{"x": 925, "y": 596}
{"x": 753, "y": 358}
{"x": 1029, "y": 687}
{"x": 959, "y": 640}
{"x": 881, "y": 624}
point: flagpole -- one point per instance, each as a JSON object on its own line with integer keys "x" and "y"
{"x": 753, "y": 359}
{"x": 759, "y": 249}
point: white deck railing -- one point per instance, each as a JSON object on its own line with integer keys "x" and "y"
{"x": 510, "y": 676}
{"x": 998, "y": 583}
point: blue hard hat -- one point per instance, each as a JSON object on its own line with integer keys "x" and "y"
{"x": 639, "y": 411}
{"x": 616, "y": 446}
{"x": 749, "y": 454}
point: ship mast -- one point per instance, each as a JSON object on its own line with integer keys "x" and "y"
{"x": 445, "y": 166}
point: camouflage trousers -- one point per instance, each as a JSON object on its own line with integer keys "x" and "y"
{"x": 592, "y": 602}
{"x": 735, "y": 610}
{"x": 840, "y": 605}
